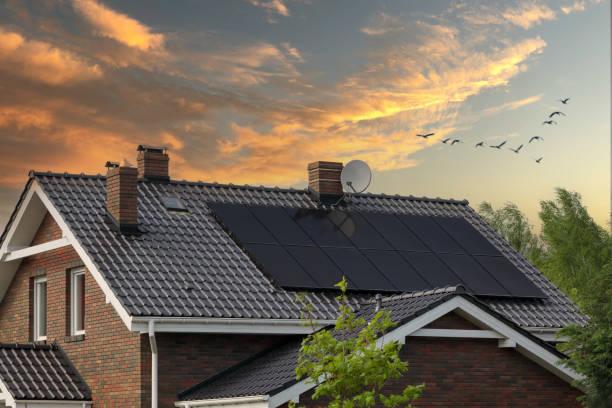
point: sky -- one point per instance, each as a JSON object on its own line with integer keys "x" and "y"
{"x": 250, "y": 91}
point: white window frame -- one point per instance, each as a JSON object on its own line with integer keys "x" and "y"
{"x": 37, "y": 308}
{"x": 76, "y": 303}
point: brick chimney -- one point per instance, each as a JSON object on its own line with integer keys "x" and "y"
{"x": 324, "y": 181}
{"x": 153, "y": 163}
{"x": 122, "y": 196}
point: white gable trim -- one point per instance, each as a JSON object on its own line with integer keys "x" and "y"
{"x": 257, "y": 401}
{"x": 35, "y": 249}
{"x": 8, "y": 267}
{"x": 507, "y": 335}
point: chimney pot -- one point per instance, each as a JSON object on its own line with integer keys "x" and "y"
{"x": 324, "y": 180}
{"x": 122, "y": 196}
{"x": 153, "y": 163}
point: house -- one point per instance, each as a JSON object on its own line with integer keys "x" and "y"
{"x": 136, "y": 290}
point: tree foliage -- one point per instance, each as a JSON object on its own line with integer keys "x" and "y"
{"x": 514, "y": 226}
{"x": 576, "y": 254}
{"x": 348, "y": 365}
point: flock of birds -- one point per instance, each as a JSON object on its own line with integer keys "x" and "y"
{"x": 549, "y": 121}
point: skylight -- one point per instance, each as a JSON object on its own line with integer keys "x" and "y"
{"x": 173, "y": 204}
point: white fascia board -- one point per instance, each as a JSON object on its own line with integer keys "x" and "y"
{"x": 524, "y": 345}
{"x": 256, "y": 401}
{"x": 457, "y": 334}
{"x": 51, "y": 404}
{"x": 227, "y": 325}
{"x": 89, "y": 264}
{"x": 35, "y": 249}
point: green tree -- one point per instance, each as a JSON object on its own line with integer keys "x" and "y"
{"x": 513, "y": 225}
{"x": 578, "y": 249}
{"x": 348, "y": 366}
{"x": 576, "y": 254}
{"x": 579, "y": 261}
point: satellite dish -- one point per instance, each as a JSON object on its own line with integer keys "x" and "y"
{"x": 356, "y": 176}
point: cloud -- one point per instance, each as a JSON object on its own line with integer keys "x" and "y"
{"x": 575, "y": 7}
{"x": 512, "y": 105}
{"x": 272, "y": 7}
{"x": 119, "y": 27}
{"x": 528, "y": 14}
{"x": 383, "y": 24}
{"x": 250, "y": 64}
{"x": 43, "y": 62}
{"x": 24, "y": 117}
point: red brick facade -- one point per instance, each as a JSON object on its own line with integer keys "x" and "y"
{"x": 187, "y": 359}
{"x": 115, "y": 363}
{"x": 108, "y": 357}
{"x": 476, "y": 373}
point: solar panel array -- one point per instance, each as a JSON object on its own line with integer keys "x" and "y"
{"x": 313, "y": 249}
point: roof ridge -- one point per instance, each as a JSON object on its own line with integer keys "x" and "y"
{"x": 27, "y": 346}
{"x": 34, "y": 173}
{"x": 458, "y": 289}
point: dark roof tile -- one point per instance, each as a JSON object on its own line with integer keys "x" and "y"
{"x": 149, "y": 272}
{"x": 40, "y": 372}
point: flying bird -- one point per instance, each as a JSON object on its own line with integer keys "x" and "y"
{"x": 446, "y": 140}
{"x": 499, "y": 146}
{"x": 455, "y": 141}
{"x": 518, "y": 149}
{"x": 549, "y": 122}
{"x": 556, "y": 113}
{"x": 539, "y": 160}
{"x": 534, "y": 138}
{"x": 425, "y": 136}
{"x": 564, "y": 101}
{"x": 479, "y": 144}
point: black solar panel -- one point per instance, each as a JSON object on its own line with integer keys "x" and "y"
{"x": 432, "y": 269}
{"x": 358, "y": 230}
{"x": 467, "y": 236}
{"x": 275, "y": 260}
{"x": 242, "y": 224}
{"x": 318, "y": 265}
{"x": 474, "y": 276}
{"x": 278, "y": 222}
{"x": 430, "y": 233}
{"x": 359, "y": 270}
{"x": 506, "y": 274}
{"x": 398, "y": 235}
{"x": 395, "y": 268}
{"x": 319, "y": 228}
{"x": 313, "y": 249}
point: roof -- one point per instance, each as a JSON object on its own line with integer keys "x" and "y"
{"x": 40, "y": 372}
{"x": 274, "y": 370}
{"x": 185, "y": 264}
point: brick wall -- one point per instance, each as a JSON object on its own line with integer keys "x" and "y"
{"x": 476, "y": 373}
{"x": 108, "y": 356}
{"x": 187, "y": 359}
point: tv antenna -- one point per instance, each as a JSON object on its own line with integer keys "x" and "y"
{"x": 356, "y": 176}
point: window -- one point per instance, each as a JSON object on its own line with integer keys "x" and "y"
{"x": 77, "y": 302}
{"x": 40, "y": 309}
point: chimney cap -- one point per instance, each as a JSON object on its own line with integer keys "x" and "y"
{"x": 111, "y": 165}
{"x": 149, "y": 148}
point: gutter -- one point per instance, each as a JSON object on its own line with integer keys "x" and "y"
{"x": 154, "y": 364}
{"x": 226, "y": 325}
{"x": 258, "y": 400}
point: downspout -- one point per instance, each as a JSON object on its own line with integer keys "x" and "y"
{"x": 153, "y": 342}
